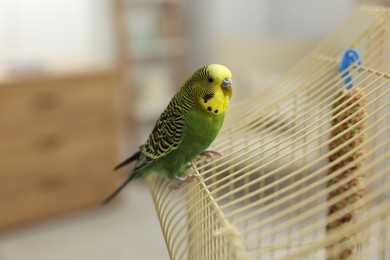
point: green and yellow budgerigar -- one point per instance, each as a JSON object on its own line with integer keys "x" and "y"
{"x": 186, "y": 128}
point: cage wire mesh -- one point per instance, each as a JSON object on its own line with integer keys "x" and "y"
{"x": 305, "y": 170}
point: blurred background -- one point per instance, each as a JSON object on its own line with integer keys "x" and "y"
{"x": 82, "y": 83}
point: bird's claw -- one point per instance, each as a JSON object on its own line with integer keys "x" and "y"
{"x": 192, "y": 176}
{"x": 180, "y": 181}
{"x": 211, "y": 154}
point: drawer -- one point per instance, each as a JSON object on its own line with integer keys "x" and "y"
{"x": 54, "y": 191}
{"x": 78, "y": 172}
{"x": 54, "y": 144}
{"x": 39, "y": 102}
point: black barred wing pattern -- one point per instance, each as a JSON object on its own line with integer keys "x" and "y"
{"x": 167, "y": 133}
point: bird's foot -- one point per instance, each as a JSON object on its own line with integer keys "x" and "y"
{"x": 211, "y": 154}
{"x": 179, "y": 181}
{"x": 190, "y": 166}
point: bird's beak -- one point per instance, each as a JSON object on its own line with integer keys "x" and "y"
{"x": 226, "y": 83}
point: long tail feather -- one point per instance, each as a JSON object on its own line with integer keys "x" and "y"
{"x": 113, "y": 195}
{"x": 128, "y": 161}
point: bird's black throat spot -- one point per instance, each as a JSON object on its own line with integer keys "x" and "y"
{"x": 216, "y": 111}
{"x": 207, "y": 97}
{"x": 209, "y": 108}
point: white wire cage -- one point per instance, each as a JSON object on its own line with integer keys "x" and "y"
{"x": 305, "y": 171}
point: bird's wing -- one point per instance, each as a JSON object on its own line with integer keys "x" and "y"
{"x": 165, "y": 137}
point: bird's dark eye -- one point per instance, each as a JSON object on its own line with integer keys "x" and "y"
{"x": 210, "y": 80}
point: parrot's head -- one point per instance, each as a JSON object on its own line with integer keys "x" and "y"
{"x": 211, "y": 87}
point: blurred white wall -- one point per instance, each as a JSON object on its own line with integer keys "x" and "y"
{"x": 42, "y": 34}
{"x": 307, "y": 18}
{"x": 259, "y": 39}
{"x": 55, "y": 33}
{"x": 210, "y": 20}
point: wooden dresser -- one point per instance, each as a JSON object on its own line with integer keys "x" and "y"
{"x": 58, "y": 144}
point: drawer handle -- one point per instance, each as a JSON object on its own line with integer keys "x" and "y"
{"x": 46, "y": 101}
{"x": 49, "y": 143}
{"x": 49, "y": 183}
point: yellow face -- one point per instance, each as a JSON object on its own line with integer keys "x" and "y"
{"x": 218, "y": 89}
